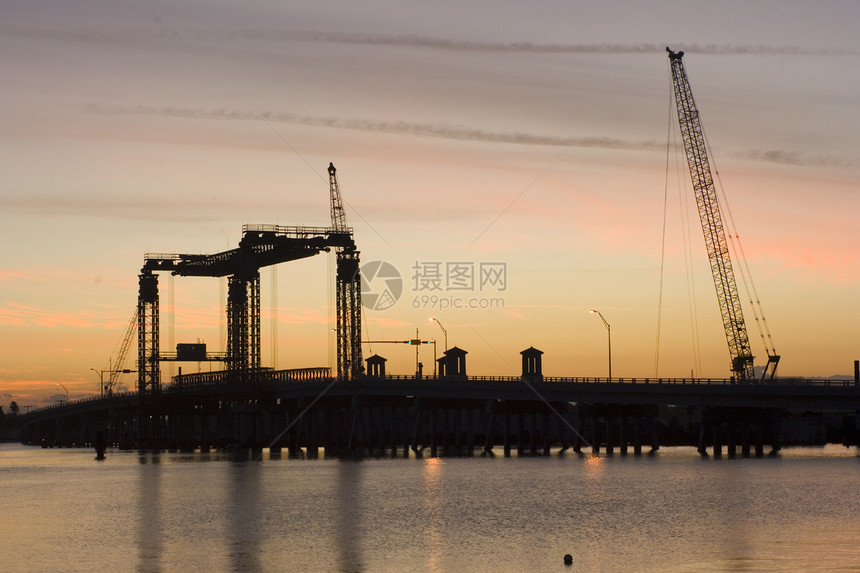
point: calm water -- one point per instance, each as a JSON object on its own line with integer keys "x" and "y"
{"x": 63, "y": 511}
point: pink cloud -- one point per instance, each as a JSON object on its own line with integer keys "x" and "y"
{"x": 16, "y": 314}
{"x": 834, "y": 263}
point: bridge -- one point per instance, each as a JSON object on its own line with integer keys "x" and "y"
{"x": 308, "y": 410}
{"x": 358, "y": 410}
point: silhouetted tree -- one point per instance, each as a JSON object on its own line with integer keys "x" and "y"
{"x": 13, "y": 407}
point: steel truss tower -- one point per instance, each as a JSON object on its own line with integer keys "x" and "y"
{"x": 712, "y": 223}
{"x": 147, "y": 339}
{"x": 349, "y": 361}
{"x": 243, "y": 323}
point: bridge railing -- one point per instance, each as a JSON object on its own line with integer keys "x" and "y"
{"x": 295, "y": 232}
{"x": 263, "y": 375}
{"x": 78, "y": 401}
{"x": 814, "y": 382}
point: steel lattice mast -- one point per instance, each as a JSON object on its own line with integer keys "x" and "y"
{"x": 348, "y": 283}
{"x": 712, "y": 224}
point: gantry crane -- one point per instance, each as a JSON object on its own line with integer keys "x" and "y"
{"x": 260, "y": 246}
{"x": 712, "y": 227}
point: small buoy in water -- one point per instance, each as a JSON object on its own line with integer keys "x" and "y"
{"x": 568, "y": 559}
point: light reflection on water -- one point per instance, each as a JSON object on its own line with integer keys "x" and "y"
{"x": 432, "y": 513}
{"x": 152, "y": 512}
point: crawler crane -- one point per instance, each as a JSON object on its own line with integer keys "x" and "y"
{"x": 712, "y": 227}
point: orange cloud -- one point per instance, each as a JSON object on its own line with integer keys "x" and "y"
{"x": 16, "y": 314}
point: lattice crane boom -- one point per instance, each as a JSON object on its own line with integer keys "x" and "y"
{"x": 338, "y": 216}
{"x": 118, "y": 366}
{"x": 712, "y": 224}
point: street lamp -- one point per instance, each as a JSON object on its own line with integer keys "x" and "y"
{"x": 444, "y": 332}
{"x": 608, "y": 337}
{"x": 101, "y": 381}
{"x": 66, "y": 390}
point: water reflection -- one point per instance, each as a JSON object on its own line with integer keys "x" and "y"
{"x": 733, "y": 534}
{"x": 432, "y": 508}
{"x": 349, "y": 516}
{"x": 594, "y": 466}
{"x": 150, "y": 538}
{"x": 244, "y": 521}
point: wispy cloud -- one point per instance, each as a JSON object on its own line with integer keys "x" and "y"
{"x": 530, "y": 47}
{"x": 107, "y": 35}
{"x": 437, "y": 130}
{"x": 796, "y": 158}
{"x": 452, "y": 132}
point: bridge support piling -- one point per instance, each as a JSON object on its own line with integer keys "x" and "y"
{"x": 608, "y": 423}
{"x": 731, "y": 440}
{"x": 623, "y": 424}
{"x": 717, "y": 439}
{"x": 434, "y": 413}
{"x": 488, "y": 434}
{"x": 637, "y": 436}
{"x": 520, "y": 434}
{"x": 532, "y": 428}
{"x": 745, "y": 439}
{"x": 547, "y": 438}
{"x": 312, "y": 449}
{"x": 418, "y": 415}
{"x": 471, "y": 414}
{"x": 507, "y": 434}
{"x": 759, "y": 442}
{"x": 353, "y": 415}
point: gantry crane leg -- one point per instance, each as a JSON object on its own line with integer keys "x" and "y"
{"x": 349, "y": 360}
{"x": 243, "y": 324}
{"x": 148, "y": 366}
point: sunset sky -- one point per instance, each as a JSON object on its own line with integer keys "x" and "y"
{"x": 530, "y": 134}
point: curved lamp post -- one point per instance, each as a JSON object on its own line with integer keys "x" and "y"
{"x": 444, "y": 332}
{"x": 101, "y": 374}
{"x": 66, "y": 390}
{"x": 608, "y": 337}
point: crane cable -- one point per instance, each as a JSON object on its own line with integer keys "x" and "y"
{"x": 663, "y": 246}
{"x": 743, "y": 267}
{"x": 671, "y": 143}
{"x": 274, "y": 316}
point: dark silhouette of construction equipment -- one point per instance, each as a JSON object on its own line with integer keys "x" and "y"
{"x": 715, "y": 236}
{"x": 260, "y": 246}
